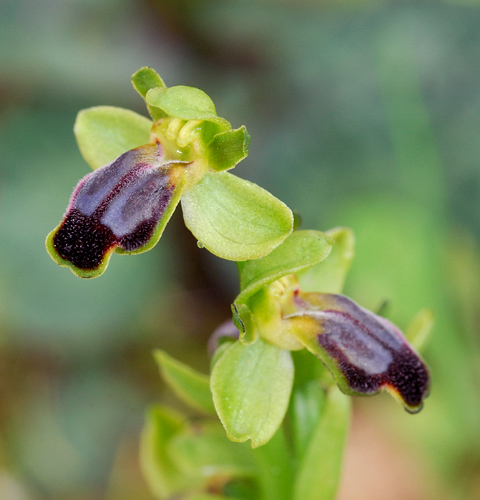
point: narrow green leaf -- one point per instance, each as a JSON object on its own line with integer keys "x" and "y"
{"x": 329, "y": 275}
{"x": 235, "y": 219}
{"x": 306, "y": 405}
{"x": 190, "y": 386}
{"x": 104, "y": 133}
{"x": 187, "y": 103}
{"x": 319, "y": 470}
{"x": 145, "y": 79}
{"x": 228, "y": 148}
{"x": 299, "y": 251}
{"x": 275, "y": 468}
{"x": 162, "y": 474}
{"x": 204, "y": 496}
{"x": 251, "y": 387}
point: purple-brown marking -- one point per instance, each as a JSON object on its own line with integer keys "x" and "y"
{"x": 118, "y": 205}
{"x": 369, "y": 351}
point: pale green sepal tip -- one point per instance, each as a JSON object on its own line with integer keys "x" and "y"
{"x": 228, "y": 148}
{"x": 251, "y": 387}
{"x": 145, "y": 79}
{"x": 103, "y": 133}
{"x": 300, "y": 250}
{"x": 187, "y": 103}
{"x": 235, "y": 219}
{"x": 190, "y": 386}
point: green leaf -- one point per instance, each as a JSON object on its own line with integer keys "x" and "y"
{"x": 187, "y": 103}
{"x": 104, "y": 133}
{"x": 275, "y": 468}
{"x": 251, "y": 387}
{"x": 329, "y": 275}
{"x": 299, "y": 251}
{"x": 145, "y": 79}
{"x": 420, "y": 328}
{"x": 319, "y": 470}
{"x": 228, "y": 148}
{"x": 235, "y": 219}
{"x": 306, "y": 406}
{"x": 190, "y": 386}
{"x": 162, "y": 474}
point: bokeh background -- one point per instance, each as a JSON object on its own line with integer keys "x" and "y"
{"x": 362, "y": 113}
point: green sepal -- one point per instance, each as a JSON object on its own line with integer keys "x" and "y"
{"x": 103, "y": 133}
{"x": 300, "y": 250}
{"x": 187, "y": 103}
{"x": 419, "y": 329}
{"x": 162, "y": 474}
{"x": 234, "y": 218}
{"x": 145, "y": 79}
{"x": 329, "y": 275}
{"x": 190, "y": 386}
{"x": 319, "y": 469}
{"x": 228, "y": 148}
{"x": 251, "y": 387}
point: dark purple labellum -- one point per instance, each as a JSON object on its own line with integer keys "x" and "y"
{"x": 368, "y": 351}
{"x": 118, "y": 206}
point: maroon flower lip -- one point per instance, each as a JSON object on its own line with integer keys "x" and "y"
{"x": 117, "y": 207}
{"x": 364, "y": 351}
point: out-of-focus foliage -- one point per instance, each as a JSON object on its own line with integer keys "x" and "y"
{"x": 362, "y": 114}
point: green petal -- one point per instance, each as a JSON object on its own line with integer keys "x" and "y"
{"x": 251, "y": 387}
{"x": 319, "y": 470}
{"x": 299, "y": 251}
{"x": 162, "y": 474}
{"x": 145, "y": 79}
{"x": 103, "y": 133}
{"x": 235, "y": 219}
{"x": 187, "y": 103}
{"x": 329, "y": 275}
{"x": 190, "y": 386}
{"x": 228, "y": 148}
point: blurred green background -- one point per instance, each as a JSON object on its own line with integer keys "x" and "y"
{"x": 362, "y": 113}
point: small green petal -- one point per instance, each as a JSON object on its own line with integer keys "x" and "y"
{"x": 319, "y": 470}
{"x": 419, "y": 330}
{"x": 145, "y": 79}
{"x": 190, "y": 386}
{"x": 103, "y": 133}
{"x": 251, "y": 386}
{"x": 187, "y": 103}
{"x": 235, "y": 219}
{"x": 299, "y": 251}
{"x": 228, "y": 148}
{"x": 329, "y": 275}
